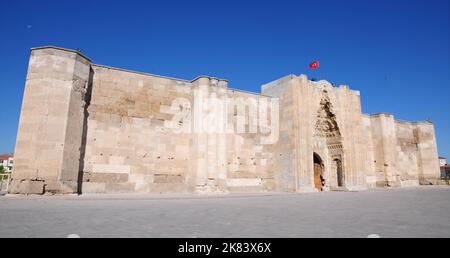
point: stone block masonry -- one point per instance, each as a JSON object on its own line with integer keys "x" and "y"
{"x": 88, "y": 128}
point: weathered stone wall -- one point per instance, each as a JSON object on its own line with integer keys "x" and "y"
{"x": 132, "y": 146}
{"x": 47, "y": 155}
{"x": 427, "y": 149}
{"x": 128, "y": 147}
{"x": 96, "y": 129}
{"x": 285, "y": 150}
{"x": 407, "y": 165}
{"x": 371, "y": 146}
{"x": 404, "y": 153}
{"x": 249, "y": 159}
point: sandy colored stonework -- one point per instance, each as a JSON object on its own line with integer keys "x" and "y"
{"x": 88, "y": 128}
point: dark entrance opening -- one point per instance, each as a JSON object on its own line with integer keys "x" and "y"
{"x": 318, "y": 167}
{"x": 340, "y": 175}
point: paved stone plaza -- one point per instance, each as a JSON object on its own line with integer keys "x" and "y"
{"x": 409, "y": 212}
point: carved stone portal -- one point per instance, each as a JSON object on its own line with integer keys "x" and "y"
{"x": 327, "y": 129}
{"x": 326, "y": 125}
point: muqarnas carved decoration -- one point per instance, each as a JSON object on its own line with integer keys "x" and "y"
{"x": 326, "y": 125}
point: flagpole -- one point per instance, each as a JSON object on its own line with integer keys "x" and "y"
{"x": 315, "y": 66}
{"x": 318, "y": 70}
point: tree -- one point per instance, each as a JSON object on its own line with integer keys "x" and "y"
{"x": 2, "y": 169}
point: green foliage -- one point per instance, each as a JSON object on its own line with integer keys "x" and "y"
{"x": 2, "y": 169}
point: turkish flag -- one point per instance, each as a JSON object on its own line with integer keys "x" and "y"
{"x": 314, "y": 65}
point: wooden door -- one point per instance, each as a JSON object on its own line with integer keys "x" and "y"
{"x": 317, "y": 174}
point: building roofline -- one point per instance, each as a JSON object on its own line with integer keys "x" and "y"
{"x": 250, "y": 92}
{"x": 386, "y": 114}
{"x": 63, "y": 49}
{"x": 157, "y": 75}
{"x": 140, "y": 73}
{"x": 176, "y": 79}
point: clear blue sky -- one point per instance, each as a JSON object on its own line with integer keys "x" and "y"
{"x": 395, "y": 52}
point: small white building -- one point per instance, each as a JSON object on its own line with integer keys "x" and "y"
{"x": 7, "y": 160}
{"x": 442, "y": 161}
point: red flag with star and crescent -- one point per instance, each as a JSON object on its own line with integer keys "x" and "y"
{"x": 314, "y": 65}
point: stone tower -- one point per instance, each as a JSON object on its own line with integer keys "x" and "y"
{"x": 51, "y": 122}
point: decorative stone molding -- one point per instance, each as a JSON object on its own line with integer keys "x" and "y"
{"x": 326, "y": 125}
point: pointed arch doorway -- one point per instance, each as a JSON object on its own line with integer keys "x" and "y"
{"x": 339, "y": 172}
{"x": 318, "y": 172}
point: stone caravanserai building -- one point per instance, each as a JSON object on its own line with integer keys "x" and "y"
{"x": 88, "y": 128}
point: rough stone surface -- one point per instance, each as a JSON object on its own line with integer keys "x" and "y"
{"x": 404, "y": 212}
{"x": 91, "y": 128}
{"x": 27, "y": 187}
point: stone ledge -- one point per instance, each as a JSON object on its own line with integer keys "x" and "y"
{"x": 62, "y": 49}
{"x": 26, "y": 187}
